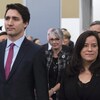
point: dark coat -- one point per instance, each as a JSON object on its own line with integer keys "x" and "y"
{"x": 73, "y": 89}
{"x": 28, "y": 72}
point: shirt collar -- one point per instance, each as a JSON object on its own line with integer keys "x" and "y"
{"x": 49, "y": 46}
{"x": 17, "y": 42}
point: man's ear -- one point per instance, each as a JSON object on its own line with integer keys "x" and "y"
{"x": 26, "y": 24}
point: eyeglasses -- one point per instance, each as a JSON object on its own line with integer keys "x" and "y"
{"x": 54, "y": 39}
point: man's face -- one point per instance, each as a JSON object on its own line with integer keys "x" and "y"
{"x": 14, "y": 24}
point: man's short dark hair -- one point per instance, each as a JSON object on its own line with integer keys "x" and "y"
{"x": 23, "y": 10}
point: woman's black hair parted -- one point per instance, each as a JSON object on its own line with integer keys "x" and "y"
{"x": 76, "y": 61}
{"x": 23, "y": 10}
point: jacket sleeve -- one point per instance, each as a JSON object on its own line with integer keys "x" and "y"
{"x": 40, "y": 76}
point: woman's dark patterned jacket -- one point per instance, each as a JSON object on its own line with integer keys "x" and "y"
{"x": 63, "y": 60}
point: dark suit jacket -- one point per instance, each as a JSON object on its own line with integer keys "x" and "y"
{"x": 28, "y": 72}
{"x": 45, "y": 46}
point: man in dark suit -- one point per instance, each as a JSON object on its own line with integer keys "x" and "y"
{"x": 47, "y": 46}
{"x": 27, "y": 70}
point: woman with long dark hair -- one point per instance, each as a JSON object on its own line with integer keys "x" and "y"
{"x": 82, "y": 78}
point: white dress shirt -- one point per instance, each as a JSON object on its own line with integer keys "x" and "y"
{"x": 16, "y": 49}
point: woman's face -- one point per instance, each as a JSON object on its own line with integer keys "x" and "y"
{"x": 89, "y": 52}
{"x": 66, "y": 41}
{"x": 55, "y": 42}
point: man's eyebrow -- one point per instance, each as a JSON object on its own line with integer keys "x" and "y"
{"x": 11, "y": 17}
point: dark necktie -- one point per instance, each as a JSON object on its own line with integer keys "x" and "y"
{"x": 9, "y": 60}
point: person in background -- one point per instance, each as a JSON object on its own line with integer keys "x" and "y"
{"x": 57, "y": 60}
{"x": 3, "y": 36}
{"x": 37, "y": 41}
{"x": 82, "y": 78}
{"x": 95, "y": 26}
{"x": 66, "y": 39}
{"x": 29, "y": 37}
{"x": 47, "y": 45}
{"x": 26, "y": 71}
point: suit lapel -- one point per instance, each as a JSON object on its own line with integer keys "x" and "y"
{"x": 2, "y": 54}
{"x": 23, "y": 50}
